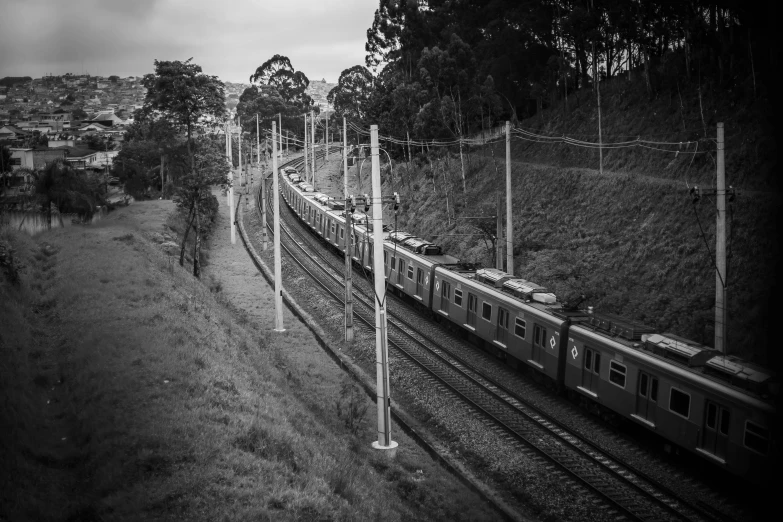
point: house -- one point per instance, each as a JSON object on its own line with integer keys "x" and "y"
{"x": 21, "y": 158}
{"x": 42, "y": 156}
{"x": 107, "y": 116}
{"x": 61, "y": 143}
{"x": 13, "y": 134}
{"x": 93, "y": 126}
{"x": 80, "y": 158}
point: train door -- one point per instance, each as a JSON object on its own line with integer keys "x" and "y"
{"x": 444, "y": 296}
{"x": 647, "y": 397}
{"x": 472, "y": 309}
{"x": 539, "y": 343}
{"x": 715, "y": 435}
{"x": 501, "y": 334}
{"x": 400, "y": 271}
{"x": 591, "y": 370}
{"x": 419, "y": 281}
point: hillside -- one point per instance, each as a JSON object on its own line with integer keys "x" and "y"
{"x": 630, "y": 238}
{"x": 132, "y": 391}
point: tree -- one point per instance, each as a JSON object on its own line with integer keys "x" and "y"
{"x": 5, "y": 166}
{"x": 189, "y": 97}
{"x": 69, "y": 190}
{"x": 79, "y": 114}
{"x": 351, "y": 96}
{"x": 113, "y": 78}
{"x": 290, "y": 84}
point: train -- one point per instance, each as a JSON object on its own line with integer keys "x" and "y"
{"x": 716, "y": 406}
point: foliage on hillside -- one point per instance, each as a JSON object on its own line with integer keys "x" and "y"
{"x": 630, "y": 239}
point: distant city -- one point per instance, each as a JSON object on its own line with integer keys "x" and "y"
{"x": 82, "y": 119}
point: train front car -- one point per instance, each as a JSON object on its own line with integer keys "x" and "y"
{"x": 720, "y": 408}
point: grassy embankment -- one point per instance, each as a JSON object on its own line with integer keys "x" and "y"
{"x": 132, "y": 391}
{"x": 629, "y": 239}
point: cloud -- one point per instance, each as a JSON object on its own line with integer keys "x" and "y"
{"x": 228, "y": 38}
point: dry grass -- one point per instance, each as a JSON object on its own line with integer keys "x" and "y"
{"x": 166, "y": 404}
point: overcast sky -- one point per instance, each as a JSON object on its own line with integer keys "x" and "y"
{"x": 228, "y": 38}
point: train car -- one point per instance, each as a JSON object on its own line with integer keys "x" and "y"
{"x": 409, "y": 262}
{"x": 514, "y": 328}
{"x": 717, "y": 407}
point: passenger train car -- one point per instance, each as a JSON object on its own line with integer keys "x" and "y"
{"x": 718, "y": 407}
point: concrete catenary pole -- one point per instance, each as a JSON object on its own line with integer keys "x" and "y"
{"x": 499, "y": 235}
{"x": 326, "y": 135}
{"x": 280, "y": 133}
{"x": 720, "y": 249}
{"x": 306, "y": 170}
{"x": 312, "y": 145}
{"x": 278, "y": 263}
{"x": 383, "y": 400}
{"x": 509, "y": 223}
{"x": 230, "y": 187}
{"x": 348, "y": 246}
{"x": 239, "y": 140}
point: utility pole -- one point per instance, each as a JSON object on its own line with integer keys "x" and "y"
{"x": 258, "y": 149}
{"x": 312, "y": 144}
{"x": 280, "y": 134}
{"x": 383, "y": 400}
{"x": 499, "y": 235}
{"x": 239, "y": 140}
{"x": 509, "y": 223}
{"x": 306, "y": 171}
{"x": 278, "y": 268}
{"x": 326, "y": 135}
{"x": 720, "y": 250}
{"x": 348, "y": 247}
{"x": 230, "y": 187}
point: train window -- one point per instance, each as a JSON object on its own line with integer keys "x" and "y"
{"x": 588, "y": 358}
{"x": 680, "y": 402}
{"x": 712, "y": 415}
{"x": 332, "y": 227}
{"x": 597, "y": 363}
{"x": 643, "y": 381}
{"x": 519, "y": 327}
{"x": 654, "y": 390}
{"x": 342, "y": 233}
{"x": 400, "y": 271}
{"x": 385, "y": 257}
{"x": 486, "y": 311}
{"x": 410, "y": 272}
{"x": 457, "y": 297}
{"x": 725, "y": 422}
{"x": 446, "y": 290}
{"x": 617, "y": 373}
{"x": 756, "y": 437}
{"x": 393, "y": 263}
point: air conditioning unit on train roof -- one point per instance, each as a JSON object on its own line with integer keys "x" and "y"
{"x": 678, "y": 349}
{"x": 740, "y": 373}
{"x": 420, "y": 246}
{"x": 620, "y": 326}
{"x": 528, "y": 290}
{"x": 399, "y": 236}
{"x": 492, "y": 277}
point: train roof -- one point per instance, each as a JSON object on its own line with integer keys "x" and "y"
{"x": 494, "y": 286}
{"x": 684, "y": 357}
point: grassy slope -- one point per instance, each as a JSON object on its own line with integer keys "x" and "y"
{"x": 133, "y": 392}
{"x": 629, "y": 238}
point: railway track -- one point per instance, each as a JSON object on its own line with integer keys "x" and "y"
{"x": 627, "y": 490}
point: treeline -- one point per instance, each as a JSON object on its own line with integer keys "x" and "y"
{"x": 445, "y": 68}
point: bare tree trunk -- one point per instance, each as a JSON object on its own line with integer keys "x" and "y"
{"x": 185, "y": 237}
{"x": 162, "y": 179}
{"x": 197, "y": 246}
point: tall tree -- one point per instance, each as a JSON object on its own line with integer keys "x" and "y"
{"x": 351, "y": 96}
{"x": 189, "y": 97}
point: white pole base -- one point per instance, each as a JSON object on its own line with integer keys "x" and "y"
{"x": 391, "y": 449}
{"x": 281, "y": 330}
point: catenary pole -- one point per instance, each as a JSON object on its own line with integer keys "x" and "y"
{"x": 326, "y": 135}
{"x": 278, "y": 268}
{"x": 239, "y": 140}
{"x": 306, "y": 170}
{"x": 280, "y": 133}
{"x": 383, "y": 400}
{"x": 499, "y": 235}
{"x": 509, "y": 224}
{"x": 312, "y": 145}
{"x": 720, "y": 249}
{"x": 230, "y": 186}
{"x": 348, "y": 245}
